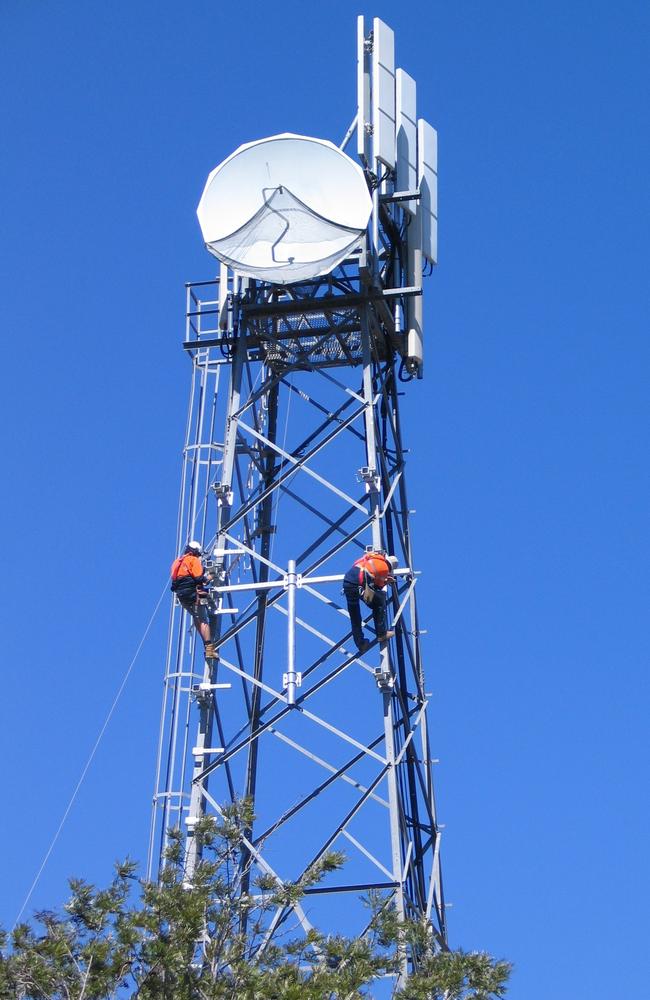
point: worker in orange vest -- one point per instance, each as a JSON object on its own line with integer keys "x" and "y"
{"x": 188, "y": 583}
{"x": 366, "y": 581}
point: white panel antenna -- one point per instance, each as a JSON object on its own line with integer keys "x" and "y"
{"x": 285, "y": 208}
{"x": 406, "y": 145}
{"x": 428, "y": 184}
{"x": 364, "y": 147}
{"x": 383, "y": 93}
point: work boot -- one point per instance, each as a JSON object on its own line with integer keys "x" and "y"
{"x": 386, "y": 636}
{"x": 364, "y": 646}
{"x": 210, "y": 651}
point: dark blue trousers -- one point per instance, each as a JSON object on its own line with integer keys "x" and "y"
{"x": 351, "y": 591}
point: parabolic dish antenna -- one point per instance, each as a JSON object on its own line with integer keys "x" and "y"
{"x": 285, "y": 208}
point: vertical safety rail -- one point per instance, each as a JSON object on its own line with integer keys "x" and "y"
{"x": 182, "y": 672}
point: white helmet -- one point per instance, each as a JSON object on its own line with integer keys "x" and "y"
{"x": 394, "y": 561}
{"x": 194, "y": 546}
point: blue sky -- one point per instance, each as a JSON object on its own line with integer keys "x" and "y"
{"x": 528, "y": 435}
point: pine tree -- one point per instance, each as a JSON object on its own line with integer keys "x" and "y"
{"x": 206, "y": 941}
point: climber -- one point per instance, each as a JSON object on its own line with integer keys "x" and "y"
{"x": 365, "y": 581}
{"x": 188, "y": 583}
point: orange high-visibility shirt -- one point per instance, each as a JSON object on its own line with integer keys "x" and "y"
{"x": 376, "y": 567}
{"x": 187, "y": 565}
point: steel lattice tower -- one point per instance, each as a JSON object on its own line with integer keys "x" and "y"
{"x": 294, "y": 463}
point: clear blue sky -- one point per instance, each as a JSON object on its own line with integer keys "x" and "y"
{"x": 529, "y": 434}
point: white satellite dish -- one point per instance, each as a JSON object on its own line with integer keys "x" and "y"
{"x": 284, "y": 209}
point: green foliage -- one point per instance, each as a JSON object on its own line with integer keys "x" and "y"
{"x": 207, "y": 941}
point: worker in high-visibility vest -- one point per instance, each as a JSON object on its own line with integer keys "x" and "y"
{"x": 366, "y": 581}
{"x": 188, "y": 583}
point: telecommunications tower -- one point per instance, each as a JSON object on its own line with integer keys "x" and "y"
{"x": 295, "y": 465}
